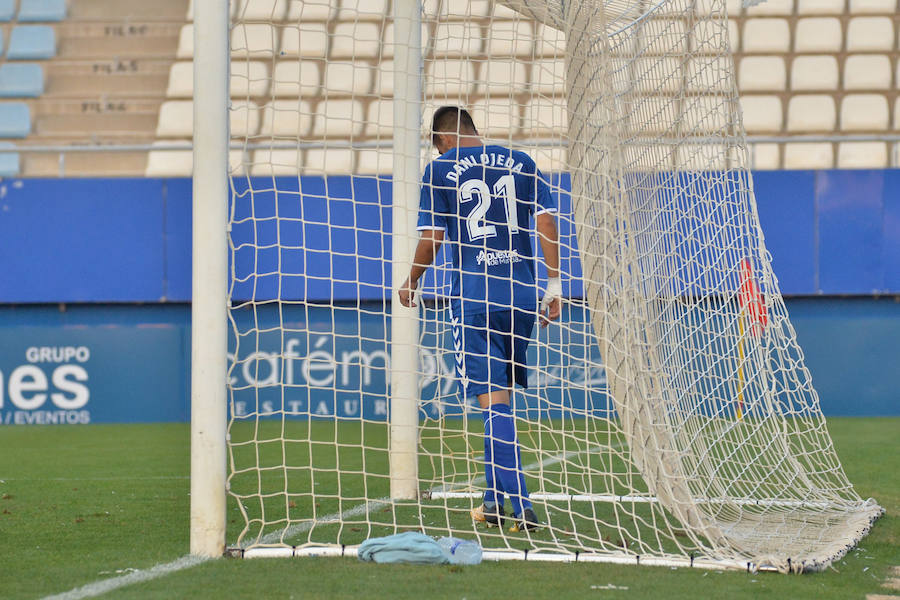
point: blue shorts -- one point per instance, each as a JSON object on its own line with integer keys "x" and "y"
{"x": 490, "y": 350}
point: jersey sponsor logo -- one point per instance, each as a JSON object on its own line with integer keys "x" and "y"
{"x": 498, "y": 257}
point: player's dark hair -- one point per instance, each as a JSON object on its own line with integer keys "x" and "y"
{"x": 451, "y": 119}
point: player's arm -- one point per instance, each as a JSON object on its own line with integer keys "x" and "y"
{"x": 429, "y": 243}
{"x": 548, "y": 237}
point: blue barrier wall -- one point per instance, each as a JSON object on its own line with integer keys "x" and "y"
{"x": 128, "y": 240}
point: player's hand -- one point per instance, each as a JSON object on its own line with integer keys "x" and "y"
{"x": 407, "y": 294}
{"x": 550, "y": 303}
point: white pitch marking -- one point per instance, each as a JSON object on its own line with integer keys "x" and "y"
{"x": 186, "y": 562}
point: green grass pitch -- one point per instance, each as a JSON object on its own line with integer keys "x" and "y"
{"x": 84, "y": 504}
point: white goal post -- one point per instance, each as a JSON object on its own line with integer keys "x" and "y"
{"x": 669, "y": 417}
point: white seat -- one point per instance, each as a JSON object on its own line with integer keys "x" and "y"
{"x": 457, "y": 39}
{"x": 169, "y": 163}
{"x": 707, "y": 74}
{"x": 762, "y": 114}
{"x": 862, "y": 155}
{"x": 328, "y": 161}
{"x": 705, "y": 114}
{"x": 301, "y": 11}
{"x": 249, "y": 78}
{"x": 307, "y": 40}
{"x": 363, "y": 9}
{"x": 732, "y": 7}
{"x": 502, "y": 76}
{"x": 338, "y": 118}
{"x": 387, "y": 49}
{"x": 185, "y": 42}
{"x": 356, "y": 40}
{"x": 701, "y": 157}
{"x": 549, "y": 42}
{"x": 384, "y": 84}
{"x": 449, "y": 77}
{"x": 293, "y": 78}
{"x": 548, "y": 76}
{"x": 181, "y": 80}
{"x": 286, "y": 161}
{"x": 663, "y": 36}
{"x": 503, "y": 12}
{"x": 814, "y": 73}
{"x": 707, "y": 36}
{"x": 766, "y": 36}
{"x": 870, "y": 33}
{"x": 545, "y": 117}
{"x": 864, "y": 112}
{"x": 657, "y": 74}
{"x": 873, "y": 7}
{"x": 176, "y": 119}
{"x": 254, "y": 40}
{"x": 765, "y": 157}
{"x": 867, "y": 72}
{"x": 381, "y": 119}
{"x": 286, "y": 118}
{"x": 348, "y": 78}
{"x": 261, "y": 10}
{"x": 658, "y": 115}
{"x": 762, "y": 74}
{"x": 813, "y": 112}
{"x": 550, "y": 160}
{"x": 375, "y": 161}
{"x": 772, "y": 8}
{"x": 807, "y": 155}
{"x": 820, "y": 7}
{"x": 897, "y": 113}
{"x": 818, "y": 34}
{"x": 510, "y": 38}
{"x": 895, "y": 155}
{"x": 496, "y": 118}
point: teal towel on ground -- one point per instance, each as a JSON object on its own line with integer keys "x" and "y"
{"x": 409, "y": 547}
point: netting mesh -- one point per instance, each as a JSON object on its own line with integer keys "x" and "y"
{"x": 669, "y": 412}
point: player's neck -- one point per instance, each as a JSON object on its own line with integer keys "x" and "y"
{"x": 467, "y": 141}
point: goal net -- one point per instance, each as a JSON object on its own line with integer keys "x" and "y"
{"x": 669, "y": 417}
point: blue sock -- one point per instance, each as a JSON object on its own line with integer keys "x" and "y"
{"x": 493, "y": 495}
{"x": 500, "y": 433}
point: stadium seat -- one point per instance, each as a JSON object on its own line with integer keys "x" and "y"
{"x": 387, "y": 49}
{"x": 348, "y": 78}
{"x": 658, "y": 115}
{"x": 381, "y": 119}
{"x": 9, "y": 161}
{"x": 873, "y": 7}
{"x": 545, "y": 117}
{"x": 870, "y": 34}
{"x": 308, "y": 40}
{"x": 180, "y": 163}
{"x": 549, "y": 42}
{"x": 897, "y": 113}
{"x": 820, "y": 7}
{"x": 511, "y": 38}
{"x": 814, "y": 73}
{"x": 7, "y": 10}
{"x": 864, "y": 112}
{"x": 299, "y": 12}
{"x": 328, "y": 161}
{"x": 384, "y": 86}
{"x": 550, "y": 160}
{"x": 375, "y": 161}
{"x": 185, "y": 42}
{"x": 700, "y": 157}
{"x": 295, "y": 78}
{"x": 862, "y": 155}
{"x": 31, "y": 11}
{"x": 254, "y": 40}
{"x": 762, "y": 74}
{"x": 818, "y": 34}
{"x": 765, "y": 157}
{"x": 21, "y": 80}
{"x": 867, "y": 72}
{"x": 548, "y": 75}
{"x": 338, "y": 118}
{"x": 766, "y": 36}
{"x": 176, "y": 119}
{"x": 15, "y": 120}
{"x": 364, "y": 9}
{"x": 279, "y": 161}
{"x": 707, "y": 74}
{"x": 32, "y": 42}
{"x": 286, "y": 118}
{"x": 811, "y": 113}
{"x": 762, "y": 114}
{"x": 663, "y": 36}
{"x": 261, "y": 10}
{"x": 707, "y": 36}
{"x": 356, "y": 40}
{"x": 704, "y": 113}
{"x": 457, "y": 39}
{"x": 808, "y": 155}
{"x": 656, "y": 73}
{"x": 496, "y": 118}
{"x": 772, "y": 8}
{"x": 449, "y": 77}
{"x": 502, "y": 76}
{"x": 249, "y": 78}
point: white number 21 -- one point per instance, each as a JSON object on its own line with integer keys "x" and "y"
{"x": 505, "y": 189}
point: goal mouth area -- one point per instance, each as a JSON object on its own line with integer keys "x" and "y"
{"x": 525, "y": 554}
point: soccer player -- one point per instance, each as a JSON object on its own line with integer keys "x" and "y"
{"x": 481, "y": 198}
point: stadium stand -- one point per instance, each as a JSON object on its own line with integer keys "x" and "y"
{"x": 119, "y": 72}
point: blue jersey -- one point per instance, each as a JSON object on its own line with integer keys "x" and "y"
{"x": 483, "y": 198}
